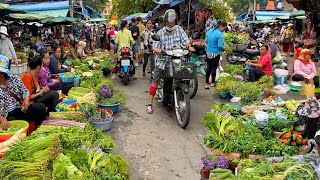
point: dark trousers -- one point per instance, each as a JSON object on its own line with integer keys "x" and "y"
{"x": 50, "y": 100}
{"x": 212, "y": 65}
{"x": 36, "y": 113}
{"x": 148, "y": 57}
{"x": 299, "y": 77}
{"x": 255, "y": 73}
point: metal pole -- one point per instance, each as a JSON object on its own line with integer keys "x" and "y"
{"x": 254, "y": 9}
{"x": 71, "y": 8}
{"x": 189, "y": 14}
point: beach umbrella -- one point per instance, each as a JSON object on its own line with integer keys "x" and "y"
{"x": 114, "y": 22}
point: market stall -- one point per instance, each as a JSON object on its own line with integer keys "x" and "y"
{"x": 71, "y": 144}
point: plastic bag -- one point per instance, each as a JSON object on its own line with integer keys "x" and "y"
{"x": 261, "y": 118}
{"x": 278, "y": 59}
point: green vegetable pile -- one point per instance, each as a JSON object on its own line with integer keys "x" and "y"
{"x": 226, "y": 83}
{"x": 248, "y": 92}
{"x": 53, "y": 152}
{"x": 286, "y": 170}
{"x": 266, "y": 82}
{"x": 234, "y": 69}
{"x": 13, "y": 128}
{"x": 229, "y": 134}
{"x": 232, "y": 38}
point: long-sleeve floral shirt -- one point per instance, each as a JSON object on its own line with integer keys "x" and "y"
{"x": 7, "y": 102}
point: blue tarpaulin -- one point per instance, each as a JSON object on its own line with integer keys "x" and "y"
{"x": 91, "y": 12}
{"x": 42, "y": 6}
{"x": 161, "y": 5}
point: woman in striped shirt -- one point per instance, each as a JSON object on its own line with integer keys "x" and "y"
{"x": 14, "y": 99}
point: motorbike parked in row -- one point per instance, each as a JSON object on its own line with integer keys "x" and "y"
{"x": 243, "y": 52}
{"x": 125, "y": 65}
{"x": 173, "y": 88}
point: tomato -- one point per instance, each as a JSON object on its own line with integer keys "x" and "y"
{"x": 294, "y": 143}
{"x": 285, "y": 141}
{"x": 287, "y": 136}
{"x": 304, "y": 142}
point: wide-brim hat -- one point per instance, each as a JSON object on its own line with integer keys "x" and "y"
{"x": 4, "y": 65}
{"x": 290, "y": 25}
{"x": 3, "y": 30}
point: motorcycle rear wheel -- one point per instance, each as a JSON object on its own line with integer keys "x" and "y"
{"x": 125, "y": 78}
{"x": 182, "y": 108}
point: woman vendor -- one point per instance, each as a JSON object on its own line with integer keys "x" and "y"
{"x": 46, "y": 78}
{"x": 260, "y": 67}
{"x": 304, "y": 69}
{"x": 55, "y": 64}
{"x": 15, "y": 99}
{"x": 38, "y": 93}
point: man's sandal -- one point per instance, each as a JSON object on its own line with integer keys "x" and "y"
{"x": 149, "y": 109}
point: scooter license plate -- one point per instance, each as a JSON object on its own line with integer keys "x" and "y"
{"x": 125, "y": 62}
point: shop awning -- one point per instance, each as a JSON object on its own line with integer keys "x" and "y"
{"x": 27, "y": 17}
{"x": 299, "y": 13}
{"x": 59, "y": 20}
{"x": 42, "y": 6}
{"x": 54, "y": 13}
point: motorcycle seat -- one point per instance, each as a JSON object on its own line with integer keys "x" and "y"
{"x": 252, "y": 52}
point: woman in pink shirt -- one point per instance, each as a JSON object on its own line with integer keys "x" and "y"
{"x": 304, "y": 69}
{"x": 260, "y": 67}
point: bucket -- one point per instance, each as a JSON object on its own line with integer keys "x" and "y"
{"x": 280, "y": 76}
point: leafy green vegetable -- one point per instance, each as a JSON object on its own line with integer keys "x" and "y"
{"x": 89, "y": 109}
{"x": 234, "y": 69}
{"x": 265, "y": 82}
{"x": 64, "y": 169}
{"x": 248, "y": 92}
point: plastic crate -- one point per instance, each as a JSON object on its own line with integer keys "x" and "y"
{"x": 19, "y": 69}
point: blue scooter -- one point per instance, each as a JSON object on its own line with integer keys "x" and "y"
{"x": 125, "y": 66}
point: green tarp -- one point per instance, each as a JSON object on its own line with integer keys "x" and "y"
{"x": 59, "y": 20}
{"x": 27, "y": 17}
{"x": 53, "y": 13}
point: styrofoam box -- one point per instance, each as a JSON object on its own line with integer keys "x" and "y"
{"x": 19, "y": 69}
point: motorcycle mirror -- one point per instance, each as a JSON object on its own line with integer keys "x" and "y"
{"x": 156, "y": 37}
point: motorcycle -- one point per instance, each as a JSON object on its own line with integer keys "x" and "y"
{"x": 125, "y": 66}
{"x": 173, "y": 88}
{"x": 242, "y": 56}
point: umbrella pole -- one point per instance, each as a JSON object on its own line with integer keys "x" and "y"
{"x": 189, "y": 11}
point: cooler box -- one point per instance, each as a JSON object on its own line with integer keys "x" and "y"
{"x": 19, "y": 69}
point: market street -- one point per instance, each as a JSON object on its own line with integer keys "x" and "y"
{"x": 154, "y": 145}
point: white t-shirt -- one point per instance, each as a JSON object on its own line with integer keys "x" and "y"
{"x": 266, "y": 31}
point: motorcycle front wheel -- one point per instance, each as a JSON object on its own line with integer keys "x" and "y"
{"x": 193, "y": 87}
{"x": 182, "y": 108}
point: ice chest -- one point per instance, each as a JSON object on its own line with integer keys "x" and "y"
{"x": 19, "y": 69}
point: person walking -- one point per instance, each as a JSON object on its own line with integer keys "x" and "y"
{"x": 147, "y": 43}
{"x": 141, "y": 46}
{"x": 6, "y": 46}
{"x": 215, "y": 45}
{"x": 287, "y": 39}
{"x": 135, "y": 34}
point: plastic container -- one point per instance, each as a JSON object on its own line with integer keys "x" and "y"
{"x": 226, "y": 95}
{"x": 104, "y": 126}
{"x": 19, "y": 69}
{"x": 113, "y": 107}
{"x": 280, "y": 76}
{"x": 64, "y": 79}
{"x": 65, "y": 102}
{"x": 5, "y": 136}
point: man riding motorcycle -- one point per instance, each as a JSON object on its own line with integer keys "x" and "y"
{"x": 171, "y": 36}
{"x": 123, "y": 39}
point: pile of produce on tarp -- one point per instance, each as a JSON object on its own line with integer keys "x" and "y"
{"x": 54, "y": 152}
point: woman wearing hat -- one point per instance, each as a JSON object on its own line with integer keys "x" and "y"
{"x": 15, "y": 99}
{"x": 6, "y": 46}
{"x": 287, "y": 39}
{"x": 304, "y": 69}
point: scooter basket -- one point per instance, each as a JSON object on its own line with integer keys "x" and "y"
{"x": 182, "y": 70}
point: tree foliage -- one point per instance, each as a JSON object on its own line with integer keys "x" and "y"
{"x": 127, "y": 7}
{"x": 97, "y": 5}
{"x": 240, "y": 7}
{"x": 219, "y": 8}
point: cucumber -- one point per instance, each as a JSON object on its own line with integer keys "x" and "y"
{"x": 220, "y": 170}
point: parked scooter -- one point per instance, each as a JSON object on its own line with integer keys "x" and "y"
{"x": 243, "y": 55}
{"x": 125, "y": 65}
{"x": 173, "y": 88}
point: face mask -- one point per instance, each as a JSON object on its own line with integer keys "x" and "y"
{"x": 2, "y": 36}
{"x": 169, "y": 29}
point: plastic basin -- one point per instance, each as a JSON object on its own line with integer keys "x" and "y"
{"x": 66, "y": 79}
{"x": 65, "y": 102}
{"x": 5, "y": 136}
{"x": 104, "y": 126}
{"x": 113, "y": 107}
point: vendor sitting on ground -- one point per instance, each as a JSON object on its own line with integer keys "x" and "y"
{"x": 304, "y": 69}
{"x": 46, "y": 78}
{"x": 14, "y": 99}
{"x": 87, "y": 49}
{"x": 260, "y": 67}
{"x": 38, "y": 93}
{"x": 55, "y": 63}
{"x": 80, "y": 49}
